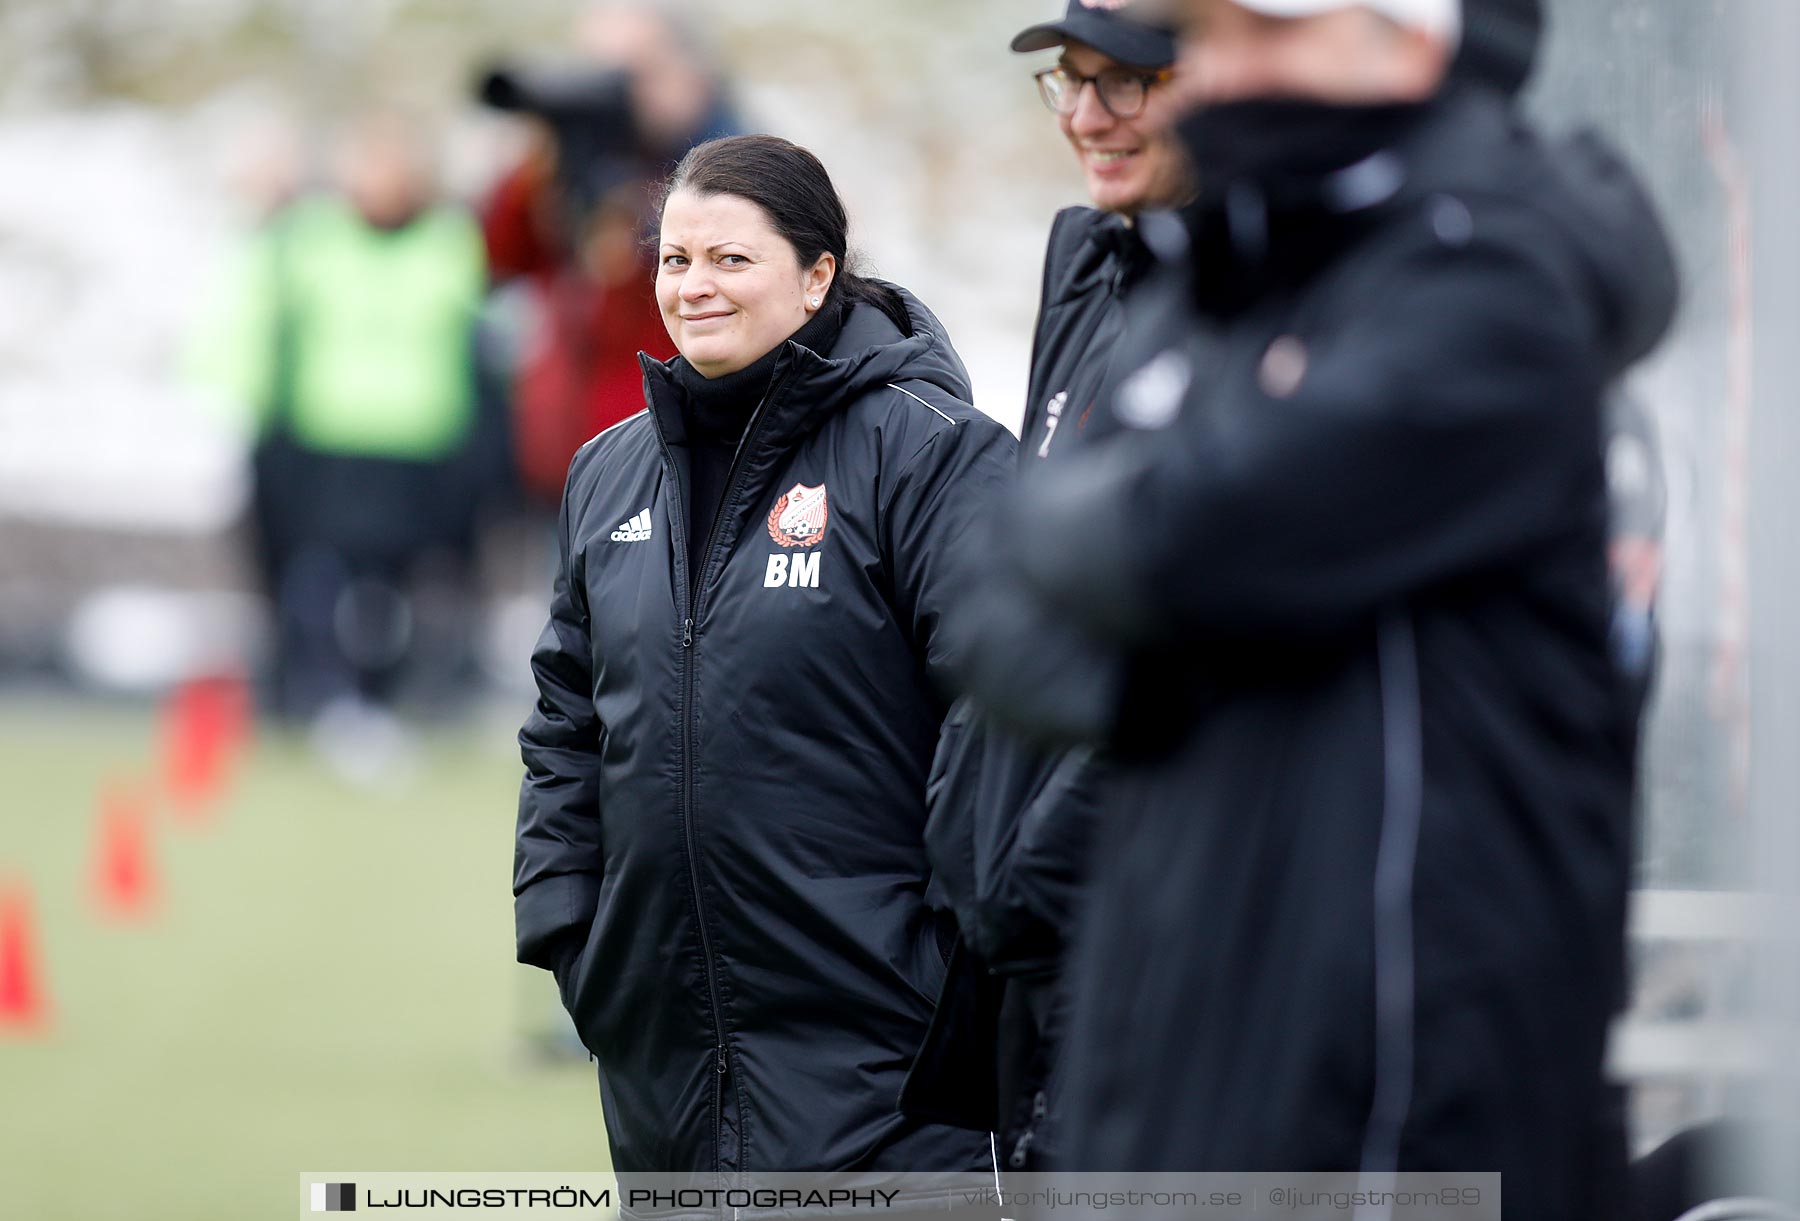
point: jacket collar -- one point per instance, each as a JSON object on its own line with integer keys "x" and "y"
{"x": 1112, "y": 258}
{"x": 1454, "y": 148}
{"x": 807, "y": 388}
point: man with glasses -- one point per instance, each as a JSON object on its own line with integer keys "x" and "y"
{"x": 1106, "y": 91}
{"x": 1021, "y": 814}
{"x": 1111, "y": 92}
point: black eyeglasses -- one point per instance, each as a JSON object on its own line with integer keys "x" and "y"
{"x": 1122, "y": 91}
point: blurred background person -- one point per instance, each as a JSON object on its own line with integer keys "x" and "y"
{"x": 1640, "y": 502}
{"x": 568, "y": 224}
{"x": 348, "y": 332}
{"x": 1010, "y": 823}
{"x": 1353, "y": 558}
{"x": 641, "y": 90}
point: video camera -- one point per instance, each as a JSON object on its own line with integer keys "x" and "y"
{"x": 598, "y": 143}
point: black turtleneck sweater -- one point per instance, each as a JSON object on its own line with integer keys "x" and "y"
{"x": 715, "y": 411}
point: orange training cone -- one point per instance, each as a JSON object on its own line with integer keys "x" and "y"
{"x": 125, "y": 883}
{"x": 23, "y": 1009}
{"x": 205, "y": 722}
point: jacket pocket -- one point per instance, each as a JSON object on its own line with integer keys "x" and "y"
{"x": 933, "y": 937}
{"x": 953, "y": 1079}
{"x": 567, "y": 971}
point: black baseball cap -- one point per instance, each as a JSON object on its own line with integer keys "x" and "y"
{"x": 1104, "y": 26}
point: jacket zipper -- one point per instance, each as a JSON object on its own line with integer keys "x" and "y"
{"x": 693, "y": 854}
{"x": 1402, "y": 809}
{"x": 692, "y": 590}
{"x": 1115, "y": 301}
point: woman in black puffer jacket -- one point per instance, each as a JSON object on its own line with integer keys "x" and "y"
{"x": 721, "y": 830}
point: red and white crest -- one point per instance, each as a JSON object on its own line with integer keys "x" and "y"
{"x": 798, "y": 518}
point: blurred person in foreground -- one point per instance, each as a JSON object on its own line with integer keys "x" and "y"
{"x": 567, "y": 224}
{"x": 348, "y": 331}
{"x": 1010, "y": 822}
{"x": 720, "y": 847}
{"x": 1335, "y": 594}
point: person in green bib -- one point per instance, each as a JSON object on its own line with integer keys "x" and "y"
{"x": 349, "y": 336}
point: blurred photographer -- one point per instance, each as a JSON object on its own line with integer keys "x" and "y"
{"x": 566, "y": 226}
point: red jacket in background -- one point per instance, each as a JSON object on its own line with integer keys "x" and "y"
{"x": 583, "y": 376}
{"x": 579, "y": 374}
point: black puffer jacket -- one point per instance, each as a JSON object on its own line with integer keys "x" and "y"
{"x": 1011, "y": 821}
{"x": 1360, "y": 902}
{"x": 1092, "y": 260}
{"x": 722, "y": 819}
{"x": 1008, "y": 826}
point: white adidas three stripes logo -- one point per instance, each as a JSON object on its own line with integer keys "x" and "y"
{"x": 636, "y": 530}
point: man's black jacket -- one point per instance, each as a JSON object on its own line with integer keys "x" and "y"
{"x": 1359, "y": 904}
{"x": 721, "y": 828}
{"x": 1014, "y": 896}
{"x": 1010, "y": 820}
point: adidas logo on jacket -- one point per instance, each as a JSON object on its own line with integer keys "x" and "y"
{"x": 637, "y": 530}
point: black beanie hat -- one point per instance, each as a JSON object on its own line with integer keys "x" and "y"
{"x": 1499, "y": 43}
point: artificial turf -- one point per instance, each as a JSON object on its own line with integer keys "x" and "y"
{"x": 325, "y": 982}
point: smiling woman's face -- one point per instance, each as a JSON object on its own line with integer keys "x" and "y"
{"x": 729, "y": 285}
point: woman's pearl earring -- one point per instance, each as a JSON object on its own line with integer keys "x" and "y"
{"x": 815, "y": 303}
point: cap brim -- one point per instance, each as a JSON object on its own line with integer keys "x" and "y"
{"x": 1128, "y": 42}
{"x": 1040, "y": 37}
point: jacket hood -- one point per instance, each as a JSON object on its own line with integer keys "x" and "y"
{"x": 1094, "y": 251}
{"x": 871, "y": 352}
{"x": 1469, "y": 144}
{"x": 1608, "y": 213}
{"x": 1583, "y": 187}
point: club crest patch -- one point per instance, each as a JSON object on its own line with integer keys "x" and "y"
{"x": 798, "y": 518}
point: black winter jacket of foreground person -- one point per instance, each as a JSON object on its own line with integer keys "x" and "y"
{"x": 1341, "y": 595}
{"x": 721, "y": 829}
